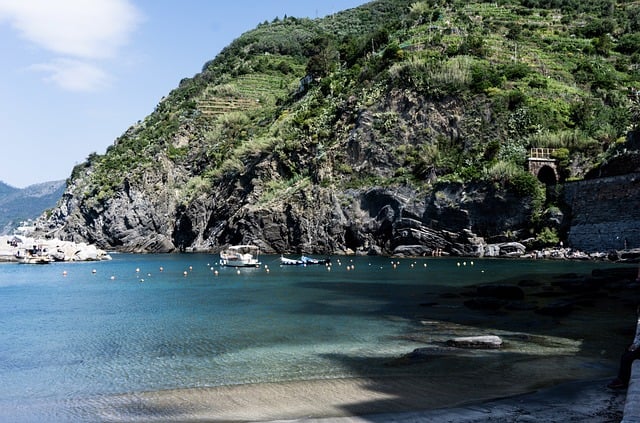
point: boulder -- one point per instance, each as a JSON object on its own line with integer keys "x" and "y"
{"x": 411, "y": 251}
{"x": 480, "y": 342}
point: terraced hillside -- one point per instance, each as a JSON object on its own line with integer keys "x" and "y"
{"x": 242, "y": 94}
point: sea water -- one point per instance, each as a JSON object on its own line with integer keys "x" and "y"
{"x": 73, "y": 335}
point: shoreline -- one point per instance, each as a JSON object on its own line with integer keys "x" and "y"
{"x": 353, "y": 400}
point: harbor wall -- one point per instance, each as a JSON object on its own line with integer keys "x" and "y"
{"x": 604, "y": 213}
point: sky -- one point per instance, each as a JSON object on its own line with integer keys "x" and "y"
{"x": 75, "y": 74}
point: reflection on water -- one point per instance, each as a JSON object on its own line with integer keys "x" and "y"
{"x": 125, "y": 340}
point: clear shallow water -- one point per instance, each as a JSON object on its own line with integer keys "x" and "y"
{"x": 68, "y": 341}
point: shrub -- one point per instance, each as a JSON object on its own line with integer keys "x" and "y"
{"x": 515, "y": 71}
{"x": 502, "y": 172}
{"x": 629, "y": 44}
{"x": 484, "y": 76}
{"x": 547, "y": 237}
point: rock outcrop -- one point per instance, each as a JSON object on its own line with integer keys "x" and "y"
{"x": 316, "y": 220}
{"x": 13, "y": 247}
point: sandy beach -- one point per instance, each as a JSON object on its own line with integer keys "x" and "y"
{"x": 372, "y": 400}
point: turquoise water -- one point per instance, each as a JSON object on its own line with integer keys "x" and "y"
{"x": 76, "y": 334}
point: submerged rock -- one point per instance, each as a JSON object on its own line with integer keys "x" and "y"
{"x": 485, "y": 303}
{"x": 504, "y": 292}
{"x": 557, "y": 309}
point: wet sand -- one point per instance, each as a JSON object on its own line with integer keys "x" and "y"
{"x": 372, "y": 400}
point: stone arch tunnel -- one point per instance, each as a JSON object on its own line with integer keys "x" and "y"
{"x": 542, "y": 166}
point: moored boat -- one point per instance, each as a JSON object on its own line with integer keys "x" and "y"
{"x": 290, "y": 262}
{"x": 311, "y": 260}
{"x": 35, "y": 260}
{"x": 240, "y": 256}
{"x": 35, "y": 255}
{"x": 304, "y": 260}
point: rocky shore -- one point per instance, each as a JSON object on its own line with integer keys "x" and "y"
{"x": 14, "y": 248}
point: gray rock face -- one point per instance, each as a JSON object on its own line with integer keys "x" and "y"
{"x": 315, "y": 220}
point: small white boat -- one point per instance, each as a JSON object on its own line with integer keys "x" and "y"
{"x": 35, "y": 255}
{"x": 303, "y": 261}
{"x": 35, "y": 260}
{"x": 290, "y": 262}
{"x": 240, "y": 256}
{"x": 311, "y": 260}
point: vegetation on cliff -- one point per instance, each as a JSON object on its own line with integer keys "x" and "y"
{"x": 394, "y": 95}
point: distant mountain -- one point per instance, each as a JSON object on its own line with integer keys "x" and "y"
{"x": 17, "y": 205}
{"x": 7, "y": 189}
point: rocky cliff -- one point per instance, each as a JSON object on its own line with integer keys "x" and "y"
{"x": 264, "y": 204}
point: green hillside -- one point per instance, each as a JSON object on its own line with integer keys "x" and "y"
{"x": 392, "y": 94}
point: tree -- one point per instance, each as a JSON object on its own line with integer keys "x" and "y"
{"x": 324, "y": 60}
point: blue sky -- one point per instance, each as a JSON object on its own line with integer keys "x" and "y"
{"x": 76, "y": 74}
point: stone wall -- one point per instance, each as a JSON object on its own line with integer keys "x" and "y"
{"x": 604, "y": 213}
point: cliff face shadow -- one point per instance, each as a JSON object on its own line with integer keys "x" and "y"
{"x": 560, "y": 328}
{"x": 566, "y": 305}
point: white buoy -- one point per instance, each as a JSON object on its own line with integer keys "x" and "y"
{"x": 64, "y": 273}
{"x": 215, "y": 272}
{"x": 238, "y": 271}
{"x": 137, "y": 269}
{"x": 94, "y": 271}
{"x": 113, "y": 278}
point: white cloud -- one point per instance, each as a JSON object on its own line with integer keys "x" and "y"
{"x": 79, "y": 28}
{"x": 74, "y": 75}
{"x": 81, "y": 31}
